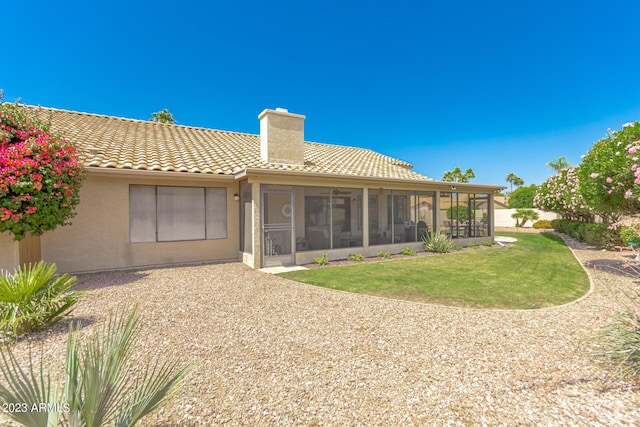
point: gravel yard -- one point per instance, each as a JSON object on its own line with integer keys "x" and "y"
{"x": 276, "y": 352}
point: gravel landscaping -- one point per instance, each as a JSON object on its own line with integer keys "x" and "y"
{"x": 276, "y": 352}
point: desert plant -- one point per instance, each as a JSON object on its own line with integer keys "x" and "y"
{"x": 33, "y": 298}
{"x": 543, "y": 223}
{"x": 438, "y": 242}
{"x": 97, "y": 390}
{"x": 408, "y": 251}
{"x": 323, "y": 260}
{"x": 524, "y": 215}
{"x": 355, "y": 257}
{"x": 619, "y": 342}
{"x": 384, "y": 255}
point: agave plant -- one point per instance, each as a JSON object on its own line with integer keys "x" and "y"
{"x": 437, "y": 241}
{"x": 97, "y": 390}
{"x": 34, "y": 298}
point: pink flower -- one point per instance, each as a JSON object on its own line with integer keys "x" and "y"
{"x": 609, "y": 180}
{"x": 627, "y": 195}
{"x": 594, "y": 175}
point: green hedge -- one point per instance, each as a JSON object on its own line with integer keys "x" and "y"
{"x": 593, "y": 234}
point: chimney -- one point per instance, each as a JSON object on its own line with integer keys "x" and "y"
{"x": 282, "y": 136}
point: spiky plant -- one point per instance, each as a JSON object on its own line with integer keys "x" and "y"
{"x": 437, "y": 241}
{"x": 97, "y": 390}
{"x": 34, "y": 298}
{"x": 619, "y": 342}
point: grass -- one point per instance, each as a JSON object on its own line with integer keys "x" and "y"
{"x": 537, "y": 271}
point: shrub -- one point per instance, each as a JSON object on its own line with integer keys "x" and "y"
{"x": 457, "y": 248}
{"x": 355, "y": 257}
{"x": 628, "y": 234}
{"x": 438, "y": 242}
{"x": 488, "y": 243}
{"x": 384, "y": 255}
{"x": 323, "y": 260}
{"x": 408, "y": 251}
{"x": 40, "y": 175}
{"x": 96, "y": 390}
{"x": 598, "y": 235}
{"x": 543, "y": 223}
{"x": 34, "y": 298}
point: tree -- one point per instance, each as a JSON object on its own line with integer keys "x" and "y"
{"x": 524, "y": 215}
{"x": 559, "y": 164}
{"x": 514, "y": 179}
{"x": 456, "y": 175}
{"x": 40, "y": 175}
{"x": 163, "y": 116}
{"x": 522, "y": 197}
{"x": 610, "y": 172}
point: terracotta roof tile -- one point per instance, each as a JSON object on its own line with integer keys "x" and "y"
{"x": 113, "y": 142}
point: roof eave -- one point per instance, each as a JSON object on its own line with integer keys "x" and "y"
{"x": 436, "y": 185}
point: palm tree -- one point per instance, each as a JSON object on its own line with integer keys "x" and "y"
{"x": 514, "y": 179}
{"x": 559, "y": 164}
{"x": 456, "y": 175}
{"x": 525, "y": 215}
{"x": 163, "y": 116}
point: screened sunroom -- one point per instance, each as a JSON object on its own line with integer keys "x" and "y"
{"x": 297, "y": 223}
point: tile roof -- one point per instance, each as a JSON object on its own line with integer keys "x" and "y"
{"x": 119, "y": 143}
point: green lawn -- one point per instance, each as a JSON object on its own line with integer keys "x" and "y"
{"x": 537, "y": 271}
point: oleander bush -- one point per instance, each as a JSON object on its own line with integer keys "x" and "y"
{"x": 34, "y": 298}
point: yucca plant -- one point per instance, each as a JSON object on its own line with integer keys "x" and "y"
{"x": 34, "y": 298}
{"x": 620, "y": 342}
{"x": 97, "y": 390}
{"x": 437, "y": 241}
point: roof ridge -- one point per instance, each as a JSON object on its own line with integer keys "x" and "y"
{"x": 84, "y": 113}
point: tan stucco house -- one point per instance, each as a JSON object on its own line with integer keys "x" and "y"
{"x": 159, "y": 194}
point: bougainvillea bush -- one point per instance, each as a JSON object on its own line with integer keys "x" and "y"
{"x": 40, "y": 175}
{"x": 610, "y": 172}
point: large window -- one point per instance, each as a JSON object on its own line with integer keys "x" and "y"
{"x": 332, "y": 218}
{"x": 465, "y": 214}
{"x": 166, "y": 214}
{"x": 399, "y": 216}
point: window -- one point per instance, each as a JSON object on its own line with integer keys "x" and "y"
{"x": 167, "y": 214}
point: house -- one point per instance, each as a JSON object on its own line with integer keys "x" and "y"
{"x": 158, "y": 194}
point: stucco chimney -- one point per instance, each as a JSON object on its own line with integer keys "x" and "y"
{"x": 282, "y": 136}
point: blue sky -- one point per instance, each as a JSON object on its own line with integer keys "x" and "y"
{"x": 498, "y": 86}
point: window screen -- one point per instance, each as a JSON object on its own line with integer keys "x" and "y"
{"x": 181, "y": 213}
{"x": 142, "y": 213}
{"x": 216, "y": 213}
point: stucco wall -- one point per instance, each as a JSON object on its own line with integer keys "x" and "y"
{"x": 503, "y": 217}
{"x": 98, "y": 238}
{"x": 9, "y": 252}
